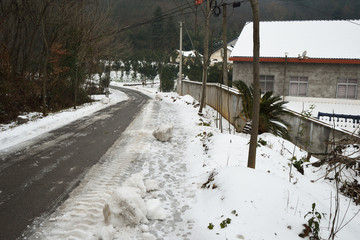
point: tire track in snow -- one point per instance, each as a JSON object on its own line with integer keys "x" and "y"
{"x": 81, "y": 215}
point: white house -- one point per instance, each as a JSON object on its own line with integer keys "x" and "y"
{"x": 187, "y": 56}
{"x": 217, "y": 55}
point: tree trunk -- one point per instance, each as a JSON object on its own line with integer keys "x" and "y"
{"x": 45, "y": 66}
{"x": 224, "y": 37}
{"x": 206, "y": 57}
{"x": 256, "y": 84}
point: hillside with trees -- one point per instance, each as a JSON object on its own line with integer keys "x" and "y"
{"x": 128, "y": 12}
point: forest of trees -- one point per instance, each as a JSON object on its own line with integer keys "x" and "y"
{"x": 49, "y": 49}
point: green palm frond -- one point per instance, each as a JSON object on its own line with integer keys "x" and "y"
{"x": 271, "y": 110}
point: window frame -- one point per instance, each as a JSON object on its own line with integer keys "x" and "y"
{"x": 299, "y": 80}
{"x": 265, "y": 81}
{"x": 347, "y": 84}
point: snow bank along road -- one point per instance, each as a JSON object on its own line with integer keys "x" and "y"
{"x": 36, "y": 179}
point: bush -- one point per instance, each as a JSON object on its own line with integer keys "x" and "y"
{"x": 168, "y": 75}
{"x": 271, "y": 109}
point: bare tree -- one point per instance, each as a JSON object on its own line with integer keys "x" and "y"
{"x": 48, "y": 48}
{"x": 206, "y": 57}
{"x": 256, "y": 84}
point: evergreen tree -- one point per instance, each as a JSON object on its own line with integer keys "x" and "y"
{"x": 171, "y": 38}
{"x": 168, "y": 76}
{"x": 157, "y": 29}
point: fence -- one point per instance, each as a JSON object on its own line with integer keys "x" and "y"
{"x": 307, "y": 133}
{"x": 347, "y": 122}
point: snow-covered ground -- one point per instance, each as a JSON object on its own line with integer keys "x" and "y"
{"x": 13, "y": 135}
{"x": 182, "y": 200}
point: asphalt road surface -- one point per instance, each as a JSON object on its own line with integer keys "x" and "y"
{"x": 36, "y": 179}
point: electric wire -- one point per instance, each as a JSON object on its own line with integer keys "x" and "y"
{"x": 167, "y": 14}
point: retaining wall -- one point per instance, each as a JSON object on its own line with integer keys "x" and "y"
{"x": 307, "y": 133}
{"x": 224, "y": 99}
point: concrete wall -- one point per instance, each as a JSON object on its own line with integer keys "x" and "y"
{"x": 224, "y": 99}
{"x": 307, "y": 133}
{"x": 322, "y": 78}
{"x": 311, "y": 134}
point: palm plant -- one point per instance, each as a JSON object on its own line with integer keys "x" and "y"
{"x": 271, "y": 109}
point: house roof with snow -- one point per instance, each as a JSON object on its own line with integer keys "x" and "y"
{"x": 302, "y": 41}
{"x": 189, "y": 53}
{"x": 230, "y": 45}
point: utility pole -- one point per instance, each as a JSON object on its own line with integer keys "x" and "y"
{"x": 179, "y": 84}
{"x": 224, "y": 37}
{"x": 285, "y": 73}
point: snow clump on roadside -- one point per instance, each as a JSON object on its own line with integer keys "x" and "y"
{"x": 163, "y": 133}
{"x": 127, "y": 207}
{"x": 151, "y": 185}
{"x": 136, "y": 181}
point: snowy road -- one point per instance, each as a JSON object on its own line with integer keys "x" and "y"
{"x": 36, "y": 179}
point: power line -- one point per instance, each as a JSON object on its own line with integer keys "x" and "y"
{"x": 167, "y": 14}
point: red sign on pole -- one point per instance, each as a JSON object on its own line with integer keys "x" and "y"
{"x": 198, "y": 2}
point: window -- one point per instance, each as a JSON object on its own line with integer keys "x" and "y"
{"x": 266, "y": 83}
{"x": 347, "y": 88}
{"x": 298, "y": 86}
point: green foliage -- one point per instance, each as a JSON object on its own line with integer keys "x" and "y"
{"x": 127, "y": 67}
{"x": 314, "y": 222}
{"x": 261, "y": 142}
{"x": 148, "y": 71}
{"x": 105, "y": 81}
{"x": 224, "y": 223}
{"x": 211, "y": 226}
{"x": 234, "y": 212}
{"x": 215, "y": 74}
{"x": 157, "y": 29}
{"x": 298, "y": 164}
{"x": 194, "y": 72}
{"x": 202, "y": 123}
{"x": 271, "y": 110}
{"x": 168, "y": 75}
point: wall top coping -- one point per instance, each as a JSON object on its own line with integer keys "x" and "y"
{"x": 226, "y": 88}
{"x": 298, "y": 60}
